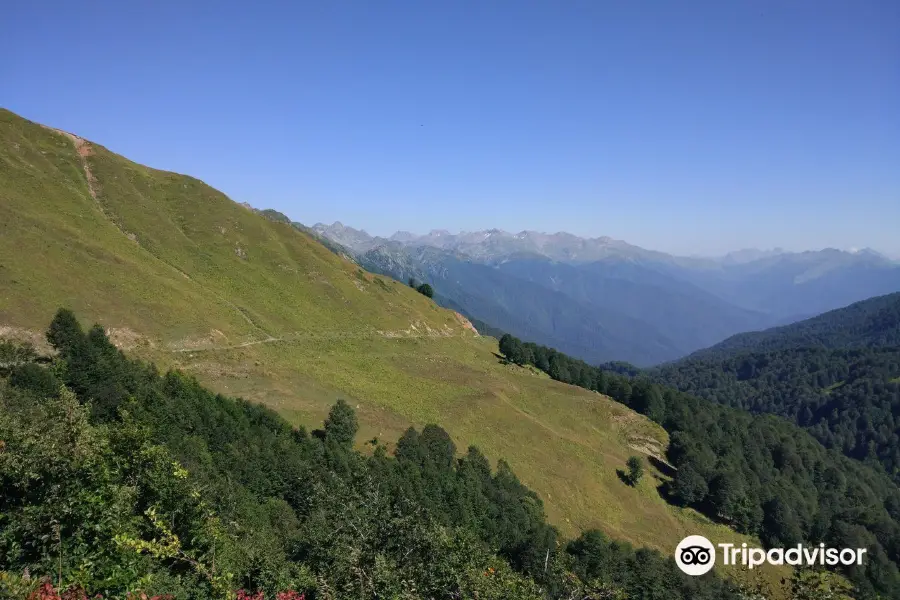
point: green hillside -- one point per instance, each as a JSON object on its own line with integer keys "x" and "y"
{"x": 181, "y": 275}
{"x": 201, "y": 495}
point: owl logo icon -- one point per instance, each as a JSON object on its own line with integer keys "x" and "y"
{"x": 695, "y": 555}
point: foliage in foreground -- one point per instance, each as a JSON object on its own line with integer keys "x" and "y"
{"x": 120, "y": 481}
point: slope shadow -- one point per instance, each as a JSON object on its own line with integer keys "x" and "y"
{"x": 623, "y": 477}
{"x": 665, "y": 492}
{"x": 664, "y": 468}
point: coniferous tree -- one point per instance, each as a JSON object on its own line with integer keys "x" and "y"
{"x": 635, "y": 470}
{"x": 426, "y": 290}
{"x": 341, "y": 425}
{"x": 409, "y": 447}
{"x": 65, "y": 333}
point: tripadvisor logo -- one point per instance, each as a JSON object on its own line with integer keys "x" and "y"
{"x": 696, "y": 555}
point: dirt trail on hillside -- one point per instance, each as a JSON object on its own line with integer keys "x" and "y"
{"x": 323, "y": 336}
{"x": 21, "y": 335}
{"x": 84, "y": 150}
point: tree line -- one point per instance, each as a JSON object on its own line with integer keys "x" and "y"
{"x": 758, "y": 473}
{"x": 848, "y": 399}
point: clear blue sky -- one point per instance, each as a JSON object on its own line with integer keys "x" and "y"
{"x": 685, "y": 126}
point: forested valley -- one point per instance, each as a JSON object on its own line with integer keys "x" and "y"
{"x": 836, "y": 375}
{"x": 758, "y": 473}
{"x": 847, "y": 399}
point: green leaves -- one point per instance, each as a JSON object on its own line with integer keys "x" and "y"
{"x": 635, "y": 470}
{"x": 426, "y": 290}
{"x": 341, "y": 425}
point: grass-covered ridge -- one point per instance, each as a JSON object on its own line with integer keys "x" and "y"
{"x": 180, "y": 274}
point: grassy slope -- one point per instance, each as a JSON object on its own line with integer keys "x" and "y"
{"x": 187, "y": 277}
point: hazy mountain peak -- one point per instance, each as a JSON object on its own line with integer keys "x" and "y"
{"x": 869, "y": 252}
{"x": 357, "y": 240}
{"x": 403, "y": 236}
{"x": 748, "y": 255}
{"x": 497, "y": 244}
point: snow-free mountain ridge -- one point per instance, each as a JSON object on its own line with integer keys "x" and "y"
{"x": 613, "y": 300}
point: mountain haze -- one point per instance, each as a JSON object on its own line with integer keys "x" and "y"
{"x": 804, "y": 283}
{"x": 872, "y": 323}
{"x": 685, "y": 314}
{"x": 521, "y": 306}
{"x": 615, "y": 301}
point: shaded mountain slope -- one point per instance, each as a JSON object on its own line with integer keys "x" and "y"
{"x": 522, "y": 307}
{"x": 784, "y": 285}
{"x": 677, "y": 310}
{"x": 646, "y": 307}
{"x": 870, "y": 323}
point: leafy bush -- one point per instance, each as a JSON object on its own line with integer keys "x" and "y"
{"x": 635, "y": 470}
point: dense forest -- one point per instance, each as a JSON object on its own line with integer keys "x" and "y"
{"x": 758, "y": 473}
{"x": 847, "y": 399}
{"x": 120, "y": 480}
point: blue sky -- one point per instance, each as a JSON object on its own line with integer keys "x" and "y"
{"x": 690, "y": 127}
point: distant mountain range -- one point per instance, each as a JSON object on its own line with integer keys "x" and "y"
{"x": 603, "y": 299}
